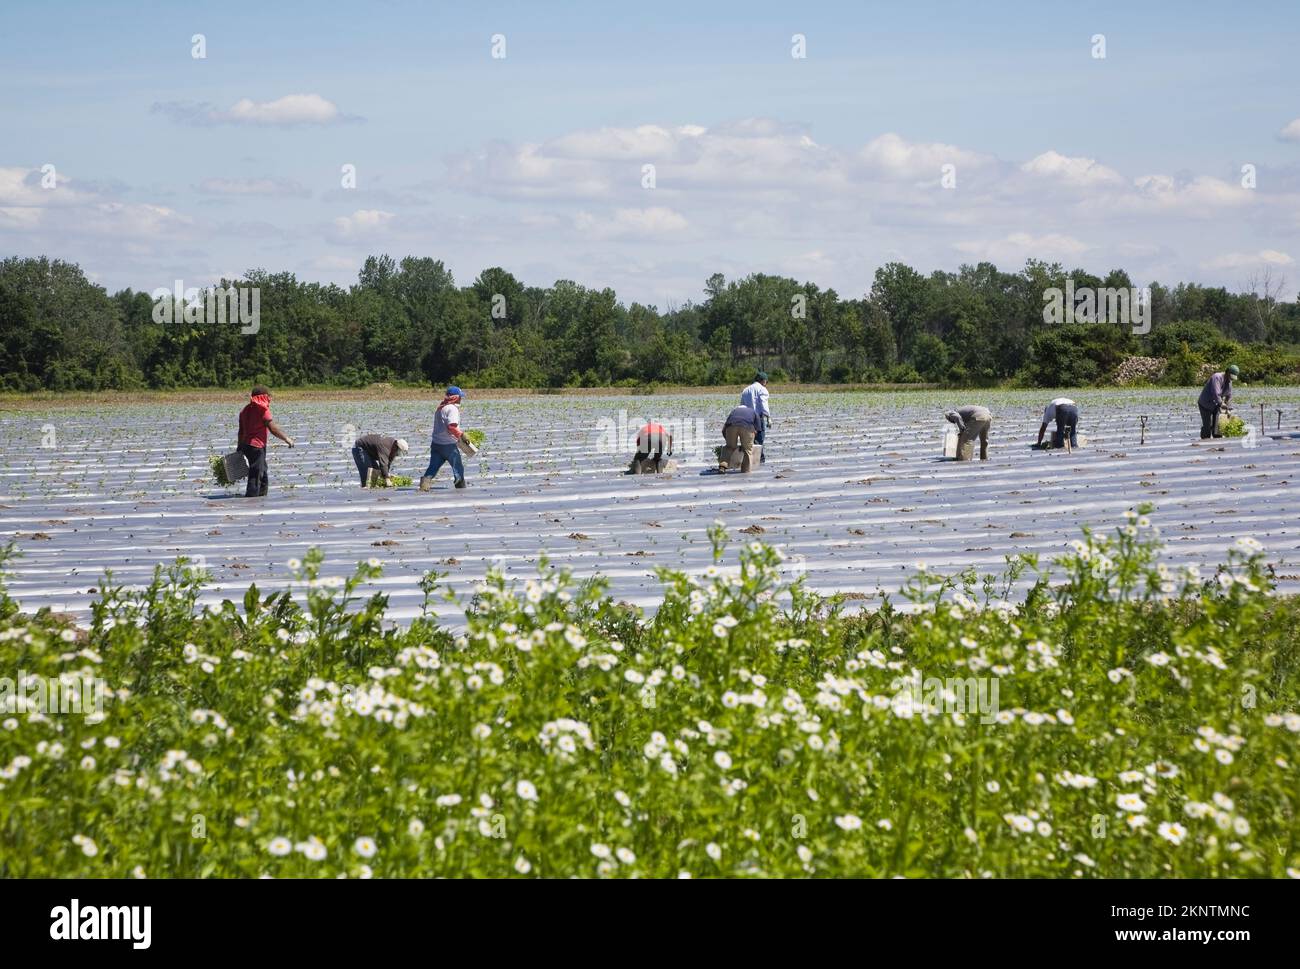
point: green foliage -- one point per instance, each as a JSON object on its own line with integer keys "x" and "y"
{"x": 408, "y": 322}
{"x": 476, "y": 437}
{"x": 1233, "y": 427}
{"x": 392, "y": 481}
{"x": 218, "y": 467}
{"x": 1144, "y": 726}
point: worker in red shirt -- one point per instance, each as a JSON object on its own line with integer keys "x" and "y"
{"x": 254, "y": 423}
{"x": 653, "y": 444}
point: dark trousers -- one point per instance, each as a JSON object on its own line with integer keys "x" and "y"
{"x": 1209, "y": 422}
{"x": 259, "y": 481}
{"x": 759, "y": 438}
{"x": 643, "y": 458}
{"x": 364, "y": 463}
{"x": 1067, "y": 422}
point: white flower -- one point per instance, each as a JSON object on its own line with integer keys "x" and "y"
{"x": 1223, "y": 756}
{"x": 526, "y": 790}
{"x": 313, "y": 849}
{"x": 415, "y": 828}
{"x": 601, "y": 851}
{"x": 294, "y": 564}
{"x": 1171, "y": 831}
{"x": 849, "y": 822}
{"x": 884, "y": 824}
{"x": 523, "y": 865}
{"x": 1130, "y": 802}
{"x": 713, "y": 851}
{"x": 625, "y": 855}
{"x": 279, "y": 847}
{"x": 365, "y": 847}
{"x": 722, "y": 759}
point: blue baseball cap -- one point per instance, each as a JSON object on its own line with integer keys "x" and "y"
{"x": 455, "y": 392}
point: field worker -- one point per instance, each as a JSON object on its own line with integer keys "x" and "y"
{"x": 443, "y": 447}
{"x": 652, "y": 439}
{"x": 255, "y": 423}
{"x": 740, "y": 430}
{"x": 972, "y": 422}
{"x": 1066, "y": 414}
{"x": 377, "y": 452}
{"x": 1215, "y": 397}
{"x": 755, "y": 397}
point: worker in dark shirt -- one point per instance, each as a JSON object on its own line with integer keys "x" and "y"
{"x": 741, "y": 427}
{"x": 377, "y": 452}
{"x": 255, "y": 422}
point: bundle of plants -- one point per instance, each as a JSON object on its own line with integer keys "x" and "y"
{"x": 218, "y": 465}
{"x": 1233, "y": 427}
{"x": 392, "y": 481}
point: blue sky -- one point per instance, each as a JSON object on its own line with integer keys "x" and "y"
{"x": 823, "y": 167}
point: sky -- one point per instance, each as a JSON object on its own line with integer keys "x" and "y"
{"x": 932, "y": 133}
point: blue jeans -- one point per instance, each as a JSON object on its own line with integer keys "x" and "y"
{"x": 440, "y": 454}
{"x": 1067, "y": 422}
{"x": 364, "y": 463}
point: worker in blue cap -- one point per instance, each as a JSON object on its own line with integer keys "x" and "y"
{"x": 445, "y": 444}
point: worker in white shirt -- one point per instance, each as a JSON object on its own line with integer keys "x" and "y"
{"x": 1066, "y": 414}
{"x": 755, "y": 398}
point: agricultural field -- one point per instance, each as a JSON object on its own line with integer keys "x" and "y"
{"x": 1122, "y": 702}
{"x": 855, "y": 493}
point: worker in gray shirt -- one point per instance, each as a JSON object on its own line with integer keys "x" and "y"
{"x": 1216, "y": 396}
{"x": 972, "y": 422}
{"x": 376, "y": 452}
{"x": 739, "y": 430}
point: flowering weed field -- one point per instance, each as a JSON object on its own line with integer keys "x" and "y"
{"x": 1119, "y": 720}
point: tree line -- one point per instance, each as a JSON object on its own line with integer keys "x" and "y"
{"x": 408, "y": 322}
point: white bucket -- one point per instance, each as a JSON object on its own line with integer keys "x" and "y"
{"x": 950, "y": 443}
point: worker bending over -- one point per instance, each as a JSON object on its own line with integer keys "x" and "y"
{"x": 742, "y": 426}
{"x": 653, "y": 445}
{"x": 377, "y": 452}
{"x": 1066, "y": 414}
{"x": 972, "y": 422}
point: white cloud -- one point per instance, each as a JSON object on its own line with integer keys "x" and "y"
{"x": 631, "y": 223}
{"x": 1242, "y": 260}
{"x": 890, "y": 156}
{"x": 1195, "y": 196}
{"x": 1013, "y": 249}
{"x": 290, "y": 110}
{"x": 1072, "y": 170}
{"x": 362, "y": 222}
{"x": 1291, "y": 132}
